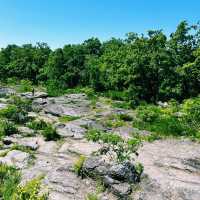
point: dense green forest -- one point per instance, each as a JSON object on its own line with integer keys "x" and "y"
{"x": 149, "y": 67}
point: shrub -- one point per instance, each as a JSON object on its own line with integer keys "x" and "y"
{"x": 78, "y": 165}
{"x": 7, "y": 128}
{"x": 50, "y": 133}
{"x": 125, "y": 117}
{"x": 30, "y": 191}
{"x": 53, "y": 88}
{"x": 116, "y": 143}
{"x": 13, "y": 113}
{"x": 148, "y": 113}
{"x": 162, "y": 121}
{"x": 191, "y": 109}
{"x": 37, "y": 125}
{"x": 9, "y": 179}
{"x": 21, "y": 103}
{"x": 121, "y": 104}
{"x": 25, "y": 86}
{"x": 96, "y": 135}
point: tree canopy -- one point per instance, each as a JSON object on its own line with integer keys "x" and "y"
{"x": 147, "y": 67}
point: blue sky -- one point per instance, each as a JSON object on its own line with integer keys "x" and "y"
{"x": 59, "y": 22}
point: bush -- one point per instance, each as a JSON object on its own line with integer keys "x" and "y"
{"x": 162, "y": 121}
{"x": 50, "y": 133}
{"x": 125, "y": 117}
{"x": 25, "y": 86}
{"x": 96, "y": 135}
{"x": 14, "y": 114}
{"x": 53, "y": 88}
{"x": 30, "y": 191}
{"x": 21, "y": 104}
{"x": 9, "y": 179}
{"x": 37, "y": 125}
{"x": 7, "y": 128}
{"x": 122, "y": 148}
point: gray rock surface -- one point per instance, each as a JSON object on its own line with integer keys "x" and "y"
{"x": 16, "y": 159}
{"x": 172, "y": 170}
{"x": 4, "y": 91}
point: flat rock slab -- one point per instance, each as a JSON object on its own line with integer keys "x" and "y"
{"x": 72, "y": 105}
{"x": 80, "y": 147}
{"x": 173, "y": 170}
{"x": 25, "y": 130}
{"x": 48, "y": 147}
{"x": 16, "y": 159}
{"x": 36, "y": 95}
{"x": 30, "y": 142}
{"x": 71, "y": 130}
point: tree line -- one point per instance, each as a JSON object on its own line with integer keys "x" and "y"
{"x": 149, "y": 67}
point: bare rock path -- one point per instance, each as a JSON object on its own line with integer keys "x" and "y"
{"x": 173, "y": 170}
{"x": 171, "y": 167}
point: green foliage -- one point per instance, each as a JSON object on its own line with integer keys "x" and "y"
{"x": 78, "y": 165}
{"x": 30, "y": 191}
{"x": 67, "y": 118}
{"x": 53, "y": 88}
{"x": 125, "y": 117}
{"x": 37, "y": 125}
{"x": 121, "y": 104}
{"x": 148, "y": 68}
{"x": 7, "y": 128}
{"x": 116, "y": 143}
{"x": 50, "y": 133}
{"x": 11, "y": 190}
{"x": 21, "y": 103}
{"x": 14, "y": 114}
{"x": 25, "y": 86}
{"x": 17, "y": 111}
{"x": 174, "y": 120}
{"x": 9, "y": 179}
{"x": 139, "y": 168}
{"x": 92, "y": 196}
{"x": 96, "y": 135}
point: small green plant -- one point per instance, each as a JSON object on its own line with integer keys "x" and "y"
{"x": 68, "y": 118}
{"x": 139, "y": 168}
{"x": 92, "y": 196}
{"x": 50, "y": 133}
{"x": 30, "y": 191}
{"x": 37, "y": 125}
{"x": 7, "y": 128}
{"x": 78, "y": 165}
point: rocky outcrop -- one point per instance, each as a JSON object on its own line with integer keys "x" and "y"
{"x": 172, "y": 169}
{"x": 117, "y": 177}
